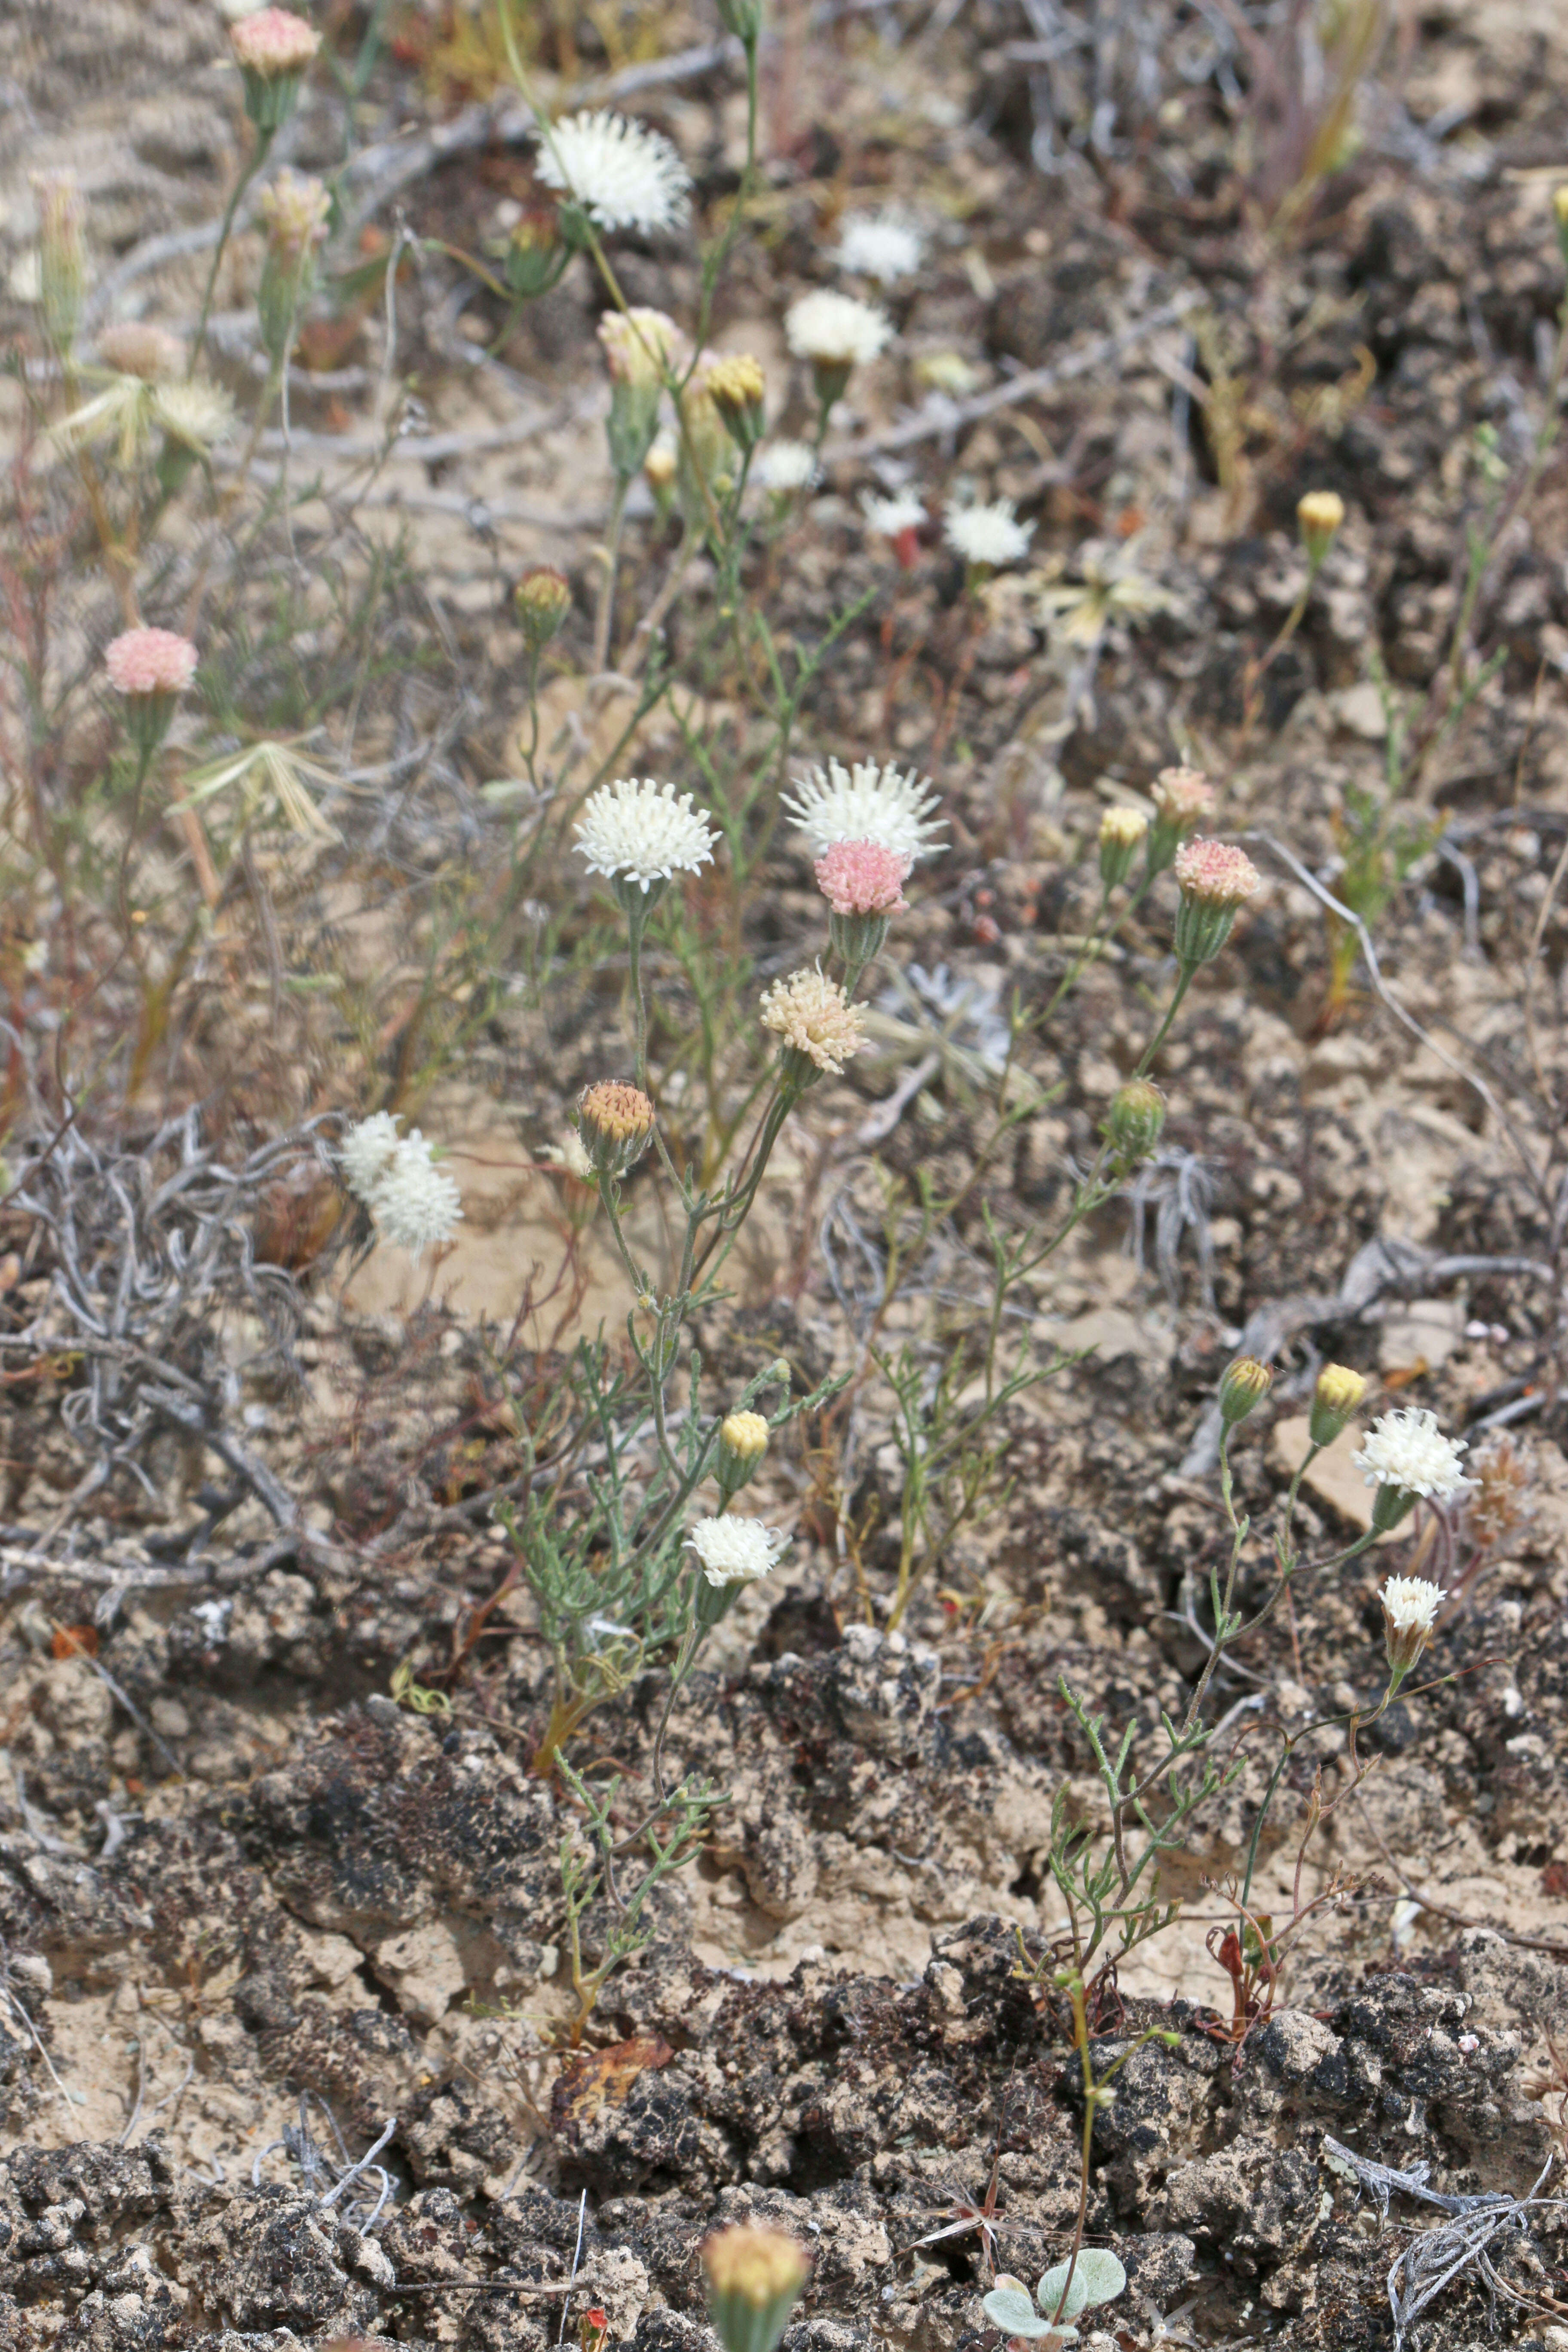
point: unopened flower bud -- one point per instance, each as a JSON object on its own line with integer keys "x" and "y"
{"x": 754, "y": 2280}
{"x": 1120, "y": 832}
{"x": 1319, "y": 515}
{"x": 1410, "y": 1607}
{"x": 614, "y": 1122}
{"x": 736, "y": 386}
{"x": 1134, "y": 1121}
{"x": 1336, "y": 1397}
{"x": 742, "y": 1441}
{"x": 62, "y": 256}
{"x": 743, "y": 18}
{"x": 1245, "y": 1385}
{"x": 1214, "y": 878}
{"x": 536, "y": 256}
{"x": 542, "y": 599}
{"x": 661, "y": 467}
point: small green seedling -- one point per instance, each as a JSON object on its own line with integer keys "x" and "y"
{"x": 1094, "y": 2276}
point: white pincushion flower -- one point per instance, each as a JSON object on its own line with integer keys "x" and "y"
{"x": 880, "y": 246}
{"x": 621, "y": 173}
{"x": 991, "y": 535}
{"x": 197, "y": 415}
{"x": 735, "y": 1551}
{"x": 414, "y": 1204}
{"x": 1407, "y": 1450}
{"x": 366, "y": 1152}
{"x": 1412, "y": 1604}
{"x": 890, "y": 518}
{"x": 835, "y": 331}
{"x": 865, "y": 803}
{"x": 786, "y": 465}
{"x": 641, "y": 832}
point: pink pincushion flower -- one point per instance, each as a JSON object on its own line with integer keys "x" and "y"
{"x": 150, "y": 661}
{"x": 1184, "y": 796}
{"x": 1216, "y": 872}
{"x": 274, "y": 41}
{"x": 863, "y": 877}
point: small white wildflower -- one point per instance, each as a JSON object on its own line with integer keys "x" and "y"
{"x": 865, "y": 803}
{"x": 1406, "y": 1449}
{"x": 835, "y": 331}
{"x": 890, "y": 518}
{"x": 992, "y": 535}
{"x": 1410, "y": 1606}
{"x": 621, "y": 173}
{"x": 786, "y": 465}
{"x": 197, "y": 415}
{"x": 735, "y": 1551}
{"x": 642, "y": 833}
{"x": 366, "y": 1153}
{"x": 880, "y": 246}
{"x": 414, "y": 1204}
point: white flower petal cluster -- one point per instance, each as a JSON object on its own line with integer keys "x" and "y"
{"x": 414, "y": 1204}
{"x": 643, "y": 832}
{"x": 880, "y": 245}
{"x": 786, "y": 465}
{"x": 1412, "y": 1604}
{"x": 888, "y": 518}
{"x": 735, "y": 1551}
{"x": 198, "y": 415}
{"x": 865, "y": 803}
{"x": 621, "y": 173}
{"x": 992, "y": 535}
{"x": 834, "y": 330}
{"x": 1406, "y": 1449}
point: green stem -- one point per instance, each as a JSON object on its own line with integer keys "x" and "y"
{"x": 257, "y": 157}
{"x": 606, "y": 616}
{"x": 1183, "y": 982}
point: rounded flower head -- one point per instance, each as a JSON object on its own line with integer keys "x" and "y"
{"x": 1407, "y": 1450}
{"x": 295, "y": 207}
{"x": 755, "y": 2279}
{"x": 991, "y": 535}
{"x": 274, "y": 41}
{"x": 1410, "y": 1606}
{"x": 615, "y": 1124}
{"x": 197, "y": 415}
{"x": 542, "y": 599}
{"x": 863, "y": 877}
{"x": 742, "y": 1441}
{"x": 880, "y": 246}
{"x": 642, "y": 833}
{"x": 414, "y": 1204}
{"x": 150, "y": 661}
{"x": 134, "y": 347}
{"x": 865, "y": 803}
{"x": 735, "y": 1551}
{"x": 1216, "y": 872}
{"x": 639, "y": 345}
{"x": 784, "y": 467}
{"x": 736, "y": 385}
{"x": 623, "y": 174}
{"x": 835, "y": 331}
{"x": 815, "y": 1021}
{"x": 891, "y": 517}
{"x": 365, "y": 1152}
{"x": 1214, "y": 878}
{"x": 1183, "y": 796}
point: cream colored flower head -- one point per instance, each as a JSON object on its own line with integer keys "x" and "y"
{"x": 736, "y": 1551}
{"x": 1406, "y": 1449}
{"x": 622, "y": 173}
{"x": 811, "y": 1012}
{"x": 641, "y": 345}
{"x": 643, "y": 832}
{"x": 834, "y": 330}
